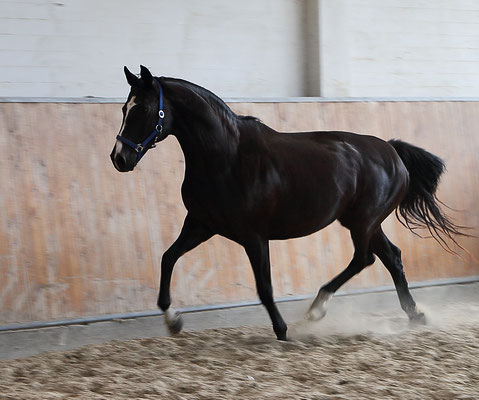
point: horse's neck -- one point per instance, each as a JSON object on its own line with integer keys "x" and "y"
{"x": 207, "y": 133}
{"x": 208, "y": 147}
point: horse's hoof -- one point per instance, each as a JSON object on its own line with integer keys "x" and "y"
{"x": 314, "y": 314}
{"x": 282, "y": 337}
{"x": 280, "y": 332}
{"x": 418, "y": 319}
{"x": 176, "y": 326}
{"x": 174, "y": 321}
{"x": 318, "y": 309}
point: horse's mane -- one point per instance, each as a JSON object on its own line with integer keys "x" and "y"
{"x": 215, "y": 102}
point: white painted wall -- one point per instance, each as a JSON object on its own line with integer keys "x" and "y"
{"x": 418, "y": 48}
{"x": 75, "y": 48}
{"x": 242, "y": 48}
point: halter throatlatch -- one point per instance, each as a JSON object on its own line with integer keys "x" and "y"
{"x": 155, "y": 135}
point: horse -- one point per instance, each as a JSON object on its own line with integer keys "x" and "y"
{"x": 251, "y": 184}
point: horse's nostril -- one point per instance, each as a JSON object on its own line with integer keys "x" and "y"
{"x": 120, "y": 162}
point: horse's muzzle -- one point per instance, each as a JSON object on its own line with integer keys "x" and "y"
{"x": 120, "y": 162}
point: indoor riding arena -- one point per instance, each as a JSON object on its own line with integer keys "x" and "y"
{"x": 81, "y": 244}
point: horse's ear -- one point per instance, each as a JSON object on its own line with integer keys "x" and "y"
{"x": 146, "y": 76}
{"x": 131, "y": 78}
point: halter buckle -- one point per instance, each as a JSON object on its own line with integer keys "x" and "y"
{"x": 139, "y": 148}
{"x": 161, "y": 114}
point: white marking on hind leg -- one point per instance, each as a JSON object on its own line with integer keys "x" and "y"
{"x": 171, "y": 316}
{"x": 174, "y": 321}
{"x": 318, "y": 309}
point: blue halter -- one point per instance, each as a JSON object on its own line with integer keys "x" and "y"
{"x": 140, "y": 148}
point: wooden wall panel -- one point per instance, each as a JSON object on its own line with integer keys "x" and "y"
{"x": 78, "y": 238}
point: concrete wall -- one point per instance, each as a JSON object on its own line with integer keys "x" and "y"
{"x": 399, "y": 48}
{"x": 248, "y": 48}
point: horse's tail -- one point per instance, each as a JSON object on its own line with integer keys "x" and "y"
{"x": 420, "y": 207}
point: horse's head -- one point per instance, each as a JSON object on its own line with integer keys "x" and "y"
{"x": 144, "y": 120}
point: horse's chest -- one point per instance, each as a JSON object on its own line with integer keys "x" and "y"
{"x": 215, "y": 203}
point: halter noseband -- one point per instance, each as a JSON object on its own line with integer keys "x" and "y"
{"x": 155, "y": 135}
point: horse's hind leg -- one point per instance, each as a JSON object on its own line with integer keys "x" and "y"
{"x": 363, "y": 257}
{"x": 390, "y": 255}
{"x": 258, "y": 253}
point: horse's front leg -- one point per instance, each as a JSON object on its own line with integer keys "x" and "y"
{"x": 258, "y": 253}
{"x": 192, "y": 234}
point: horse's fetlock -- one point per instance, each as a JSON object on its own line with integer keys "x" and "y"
{"x": 163, "y": 305}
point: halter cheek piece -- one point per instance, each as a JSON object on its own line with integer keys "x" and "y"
{"x": 140, "y": 148}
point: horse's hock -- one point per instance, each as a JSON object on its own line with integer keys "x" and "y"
{"x": 79, "y": 239}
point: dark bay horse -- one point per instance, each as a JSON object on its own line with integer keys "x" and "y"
{"x": 251, "y": 184}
